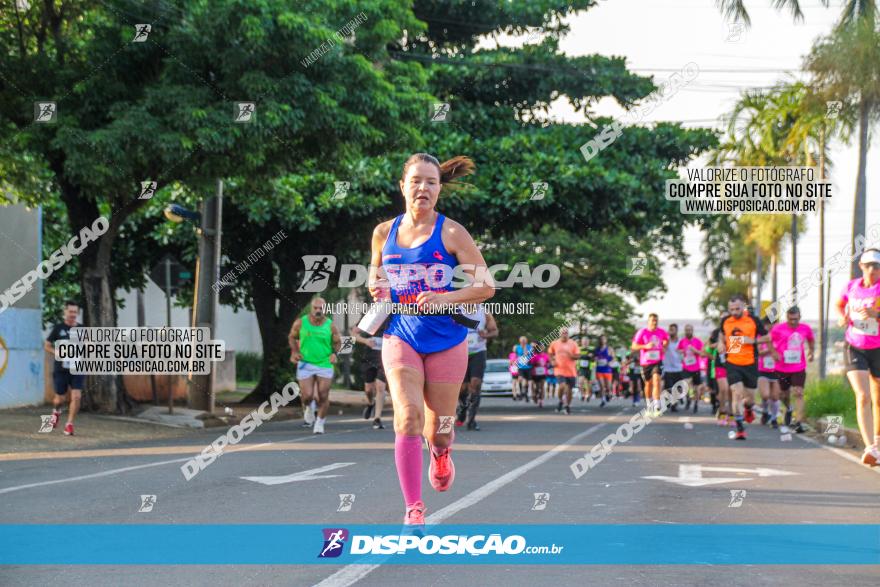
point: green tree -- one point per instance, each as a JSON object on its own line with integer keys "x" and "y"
{"x": 163, "y": 109}
{"x": 498, "y": 101}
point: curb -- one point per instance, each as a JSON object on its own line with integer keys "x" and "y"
{"x": 853, "y": 436}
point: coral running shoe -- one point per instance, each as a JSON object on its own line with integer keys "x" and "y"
{"x": 441, "y": 471}
{"x": 415, "y": 514}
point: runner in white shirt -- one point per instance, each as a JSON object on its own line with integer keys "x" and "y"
{"x": 469, "y": 399}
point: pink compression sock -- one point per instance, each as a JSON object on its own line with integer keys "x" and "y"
{"x": 408, "y": 458}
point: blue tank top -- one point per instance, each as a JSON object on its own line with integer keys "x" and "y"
{"x": 603, "y": 360}
{"x": 425, "y": 334}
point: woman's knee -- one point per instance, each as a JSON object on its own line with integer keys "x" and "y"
{"x": 409, "y": 420}
{"x": 863, "y": 398}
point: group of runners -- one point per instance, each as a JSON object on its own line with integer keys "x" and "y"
{"x": 433, "y": 365}
{"x": 743, "y": 362}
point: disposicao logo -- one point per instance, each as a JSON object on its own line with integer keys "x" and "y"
{"x": 334, "y": 540}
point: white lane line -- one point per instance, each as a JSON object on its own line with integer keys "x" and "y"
{"x": 839, "y": 452}
{"x": 351, "y": 574}
{"x": 309, "y": 475}
{"x": 92, "y": 476}
{"x": 135, "y": 467}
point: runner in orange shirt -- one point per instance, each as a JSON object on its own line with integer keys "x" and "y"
{"x": 741, "y": 333}
{"x": 564, "y": 353}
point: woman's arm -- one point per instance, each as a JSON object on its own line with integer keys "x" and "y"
{"x": 491, "y": 327}
{"x": 458, "y": 242}
{"x": 378, "y": 284}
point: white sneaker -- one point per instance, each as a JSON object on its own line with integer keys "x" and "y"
{"x": 784, "y": 429}
{"x": 309, "y": 415}
{"x": 319, "y": 427}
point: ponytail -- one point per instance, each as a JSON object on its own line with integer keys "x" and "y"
{"x": 450, "y": 170}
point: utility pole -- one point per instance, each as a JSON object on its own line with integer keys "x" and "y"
{"x": 201, "y": 391}
{"x": 794, "y": 239}
{"x": 759, "y": 282}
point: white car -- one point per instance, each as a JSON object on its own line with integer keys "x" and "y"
{"x": 497, "y": 381}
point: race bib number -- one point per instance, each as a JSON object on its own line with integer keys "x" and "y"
{"x": 868, "y": 326}
{"x": 690, "y": 360}
{"x": 769, "y": 362}
{"x": 540, "y": 371}
{"x": 792, "y": 357}
{"x": 585, "y": 363}
{"x": 602, "y": 362}
{"x": 67, "y": 364}
{"x": 473, "y": 339}
{"x": 653, "y": 355}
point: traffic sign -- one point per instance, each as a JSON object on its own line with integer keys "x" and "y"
{"x": 178, "y": 275}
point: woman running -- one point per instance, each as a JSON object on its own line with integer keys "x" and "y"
{"x": 859, "y": 310}
{"x": 718, "y": 372}
{"x": 425, "y": 357}
{"x": 604, "y": 372}
{"x": 540, "y": 363}
{"x": 513, "y": 369}
{"x": 768, "y": 381}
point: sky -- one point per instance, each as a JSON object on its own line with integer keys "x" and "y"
{"x": 660, "y": 38}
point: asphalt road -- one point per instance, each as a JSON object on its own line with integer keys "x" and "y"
{"x": 664, "y": 475}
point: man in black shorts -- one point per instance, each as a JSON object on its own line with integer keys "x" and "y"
{"x": 373, "y": 375}
{"x": 741, "y": 334}
{"x": 62, "y": 378}
{"x": 469, "y": 397}
{"x": 585, "y": 373}
{"x": 524, "y": 355}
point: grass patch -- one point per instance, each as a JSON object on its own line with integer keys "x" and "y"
{"x": 831, "y": 395}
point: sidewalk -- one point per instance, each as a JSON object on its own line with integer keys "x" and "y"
{"x": 20, "y": 430}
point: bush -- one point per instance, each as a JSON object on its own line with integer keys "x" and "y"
{"x": 248, "y": 366}
{"x": 831, "y": 395}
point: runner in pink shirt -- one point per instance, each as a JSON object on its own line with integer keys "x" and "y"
{"x": 690, "y": 349}
{"x": 540, "y": 362}
{"x": 768, "y": 382}
{"x": 788, "y": 345}
{"x": 651, "y": 342}
{"x": 859, "y": 310}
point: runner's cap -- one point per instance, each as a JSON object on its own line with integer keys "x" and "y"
{"x": 870, "y": 257}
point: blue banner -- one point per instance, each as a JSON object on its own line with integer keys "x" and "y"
{"x": 605, "y": 544}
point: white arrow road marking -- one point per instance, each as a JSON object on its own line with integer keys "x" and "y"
{"x": 301, "y": 476}
{"x": 760, "y": 471}
{"x": 692, "y": 475}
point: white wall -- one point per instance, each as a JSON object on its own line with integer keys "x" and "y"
{"x": 239, "y": 330}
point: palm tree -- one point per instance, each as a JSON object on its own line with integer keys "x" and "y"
{"x": 811, "y": 131}
{"x": 846, "y": 64}
{"x": 853, "y": 10}
{"x": 757, "y": 131}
